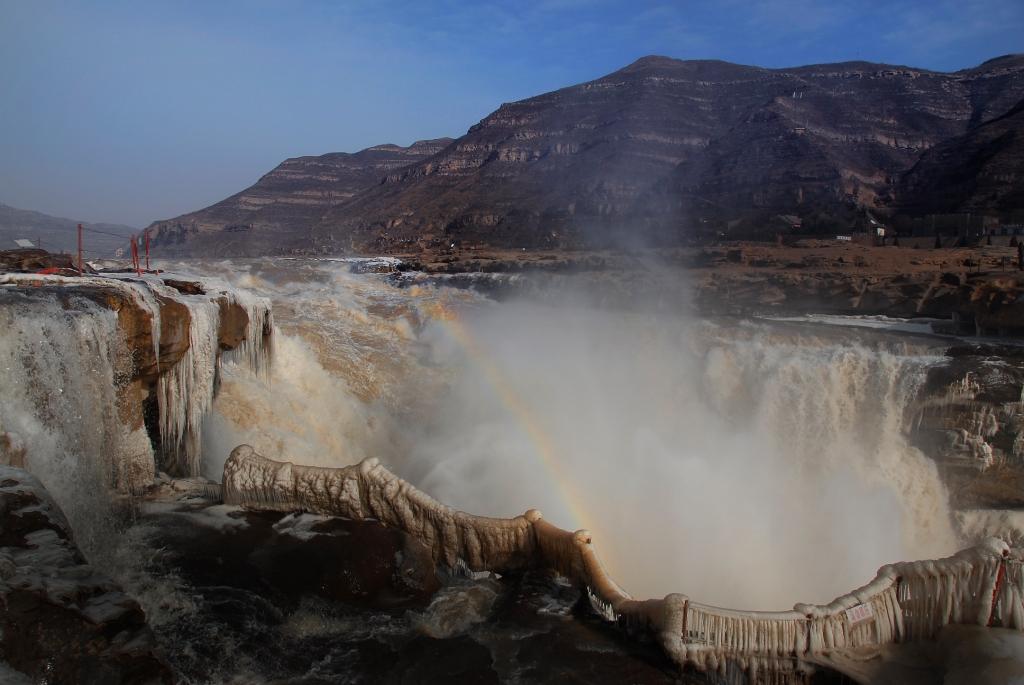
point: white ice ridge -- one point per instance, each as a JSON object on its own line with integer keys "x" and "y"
{"x": 906, "y": 601}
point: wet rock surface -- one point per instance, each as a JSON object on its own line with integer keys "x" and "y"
{"x": 61, "y": 620}
{"x": 971, "y": 421}
{"x": 31, "y": 260}
{"x": 261, "y": 597}
{"x": 304, "y": 599}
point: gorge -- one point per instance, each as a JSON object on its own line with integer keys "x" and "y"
{"x": 686, "y": 442}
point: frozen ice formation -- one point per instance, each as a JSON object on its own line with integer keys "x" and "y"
{"x": 906, "y": 601}
{"x": 81, "y": 355}
{"x": 186, "y": 391}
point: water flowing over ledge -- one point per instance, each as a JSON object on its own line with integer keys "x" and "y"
{"x": 144, "y": 352}
{"x": 906, "y": 601}
{"x": 61, "y": 619}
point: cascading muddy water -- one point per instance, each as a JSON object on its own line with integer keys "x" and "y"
{"x": 749, "y": 465}
{"x": 746, "y": 464}
{"x": 73, "y": 385}
{"x": 60, "y": 365}
{"x": 743, "y": 467}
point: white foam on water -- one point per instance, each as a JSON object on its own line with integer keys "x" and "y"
{"x": 745, "y": 465}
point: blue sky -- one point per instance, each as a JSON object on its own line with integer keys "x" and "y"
{"x": 135, "y": 111}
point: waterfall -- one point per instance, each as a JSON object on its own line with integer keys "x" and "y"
{"x": 185, "y": 392}
{"x": 747, "y": 464}
{"x": 63, "y": 370}
{"x": 71, "y": 403}
{"x": 742, "y": 464}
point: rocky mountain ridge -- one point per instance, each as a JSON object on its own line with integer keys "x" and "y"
{"x": 273, "y": 214}
{"x": 57, "y": 234}
{"x": 661, "y": 151}
{"x": 982, "y": 170}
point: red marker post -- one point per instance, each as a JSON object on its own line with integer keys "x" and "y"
{"x": 135, "y": 256}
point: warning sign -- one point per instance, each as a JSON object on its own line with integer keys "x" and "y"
{"x": 861, "y": 612}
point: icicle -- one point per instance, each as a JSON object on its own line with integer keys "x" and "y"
{"x": 256, "y": 350}
{"x": 186, "y": 391}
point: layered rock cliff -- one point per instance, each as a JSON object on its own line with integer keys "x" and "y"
{"x": 982, "y": 170}
{"x": 661, "y": 151}
{"x": 276, "y": 213}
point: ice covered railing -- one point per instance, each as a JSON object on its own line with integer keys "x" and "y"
{"x": 907, "y": 601}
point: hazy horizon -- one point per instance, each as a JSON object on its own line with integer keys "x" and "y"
{"x": 126, "y": 114}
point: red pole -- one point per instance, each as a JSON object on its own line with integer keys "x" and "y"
{"x": 1000, "y": 577}
{"x": 147, "y": 250}
{"x": 135, "y": 256}
{"x": 79, "y": 248}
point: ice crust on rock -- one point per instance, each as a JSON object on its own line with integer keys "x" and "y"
{"x": 185, "y": 392}
{"x": 67, "y": 369}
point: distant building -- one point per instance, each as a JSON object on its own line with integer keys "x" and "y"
{"x": 22, "y": 242}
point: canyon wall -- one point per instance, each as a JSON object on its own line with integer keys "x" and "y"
{"x": 662, "y": 151}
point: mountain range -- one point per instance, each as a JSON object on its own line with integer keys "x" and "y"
{"x": 61, "y": 235}
{"x": 662, "y": 151}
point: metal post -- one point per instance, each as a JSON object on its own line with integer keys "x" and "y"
{"x": 147, "y": 250}
{"x": 135, "y": 256}
{"x": 1000, "y": 578}
{"x": 80, "y": 248}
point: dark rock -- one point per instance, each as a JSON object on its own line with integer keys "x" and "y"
{"x": 979, "y": 171}
{"x": 306, "y": 599}
{"x": 61, "y": 621}
{"x": 286, "y": 557}
{"x": 185, "y": 287}
{"x": 32, "y": 260}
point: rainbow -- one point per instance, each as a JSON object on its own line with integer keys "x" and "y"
{"x": 531, "y": 425}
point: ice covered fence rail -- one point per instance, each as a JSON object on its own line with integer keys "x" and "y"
{"x": 981, "y": 585}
